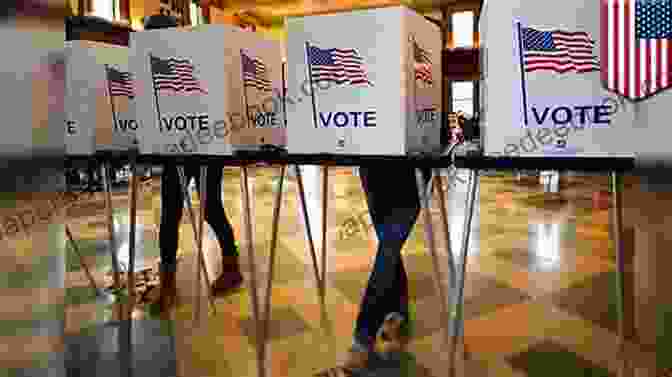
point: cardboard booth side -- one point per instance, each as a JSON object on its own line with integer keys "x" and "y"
{"x": 33, "y": 86}
{"x": 87, "y": 104}
{"x": 79, "y": 140}
{"x": 100, "y": 108}
{"x": 185, "y": 99}
{"x": 540, "y": 105}
{"x": 257, "y": 90}
{"x": 423, "y": 67}
{"x": 360, "y": 113}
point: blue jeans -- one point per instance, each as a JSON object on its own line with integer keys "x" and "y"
{"x": 394, "y": 205}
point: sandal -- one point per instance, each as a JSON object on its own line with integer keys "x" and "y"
{"x": 336, "y": 372}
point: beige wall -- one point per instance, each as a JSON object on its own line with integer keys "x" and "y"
{"x": 142, "y": 8}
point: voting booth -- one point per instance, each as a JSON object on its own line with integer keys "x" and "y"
{"x": 210, "y": 89}
{"x": 100, "y": 99}
{"x": 556, "y": 83}
{"x": 364, "y": 102}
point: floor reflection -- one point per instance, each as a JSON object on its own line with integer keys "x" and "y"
{"x": 540, "y": 294}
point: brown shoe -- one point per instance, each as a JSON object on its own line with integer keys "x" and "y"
{"x": 389, "y": 338}
{"x": 230, "y": 279}
{"x": 356, "y": 360}
{"x": 168, "y": 290}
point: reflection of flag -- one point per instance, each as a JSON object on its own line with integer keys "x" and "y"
{"x": 255, "y": 73}
{"x": 636, "y": 53}
{"x": 558, "y": 50}
{"x": 341, "y": 66}
{"x": 175, "y": 76}
{"x": 422, "y": 64}
{"x": 121, "y": 83}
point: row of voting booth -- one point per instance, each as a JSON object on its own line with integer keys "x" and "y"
{"x": 368, "y": 83}
{"x": 215, "y": 89}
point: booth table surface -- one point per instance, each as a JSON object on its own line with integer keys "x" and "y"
{"x": 469, "y": 161}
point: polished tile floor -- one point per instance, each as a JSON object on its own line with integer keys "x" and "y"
{"x": 540, "y": 294}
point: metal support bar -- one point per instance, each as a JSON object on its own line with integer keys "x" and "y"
{"x": 133, "y": 191}
{"x": 110, "y": 224}
{"x": 452, "y": 278}
{"x": 199, "y": 258}
{"x": 261, "y": 352}
{"x": 325, "y": 200}
{"x": 458, "y": 314}
{"x": 311, "y": 244}
{"x": 617, "y": 234}
{"x": 424, "y": 194}
{"x": 274, "y": 242}
{"x": 82, "y": 263}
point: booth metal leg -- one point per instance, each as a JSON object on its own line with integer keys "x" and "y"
{"x": 325, "y": 200}
{"x": 82, "y": 263}
{"x": 425, "y": 194}
{"x": 247, "y": 228}
{"x": 458, "y": 314}
{"x": 617, "y": 234}
{"x": 452, "y": 270}
{"x": 311, "y": 244}
{"x": 112, "y": 245}
{"x": 265, "y": 325}
{"x": 199, "y": 257}
{"x": 446, "y": 229}
{"x": 133, "y": 205}
{"x": 110, "y": 224}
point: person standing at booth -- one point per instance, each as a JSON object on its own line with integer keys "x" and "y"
{"x": 172, "y": 204}
{"x": 384, "y": 310}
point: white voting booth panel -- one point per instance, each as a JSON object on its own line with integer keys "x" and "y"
{"x": 546, "y": 70}
{"x": 196, "y": 98}
{"x": 377, "y": 79}
{"x": 31, "y": 85}
{"x": 100, "y": 99}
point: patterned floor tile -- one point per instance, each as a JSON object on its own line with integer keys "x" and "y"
{"x": 593, "y": 299}
{"x": 285, "y": 322}
{"x": 549, "y": 359}
{"x": 484, "y": 295}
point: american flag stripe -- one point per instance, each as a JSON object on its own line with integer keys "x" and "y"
{"x": 176, "y": 76}
{"x": 119, "y": 89}
{"x": 255, "y": 74}
{"x": 120, "y": 83}
{"x": 347, "y": 66}
{"x": 572, "y": 51}
{"x": 635, "y": 67}
{"x": 423, "y": 72}
{"x": 422, "y": 64}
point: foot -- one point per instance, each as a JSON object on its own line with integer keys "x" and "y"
{"x": 227, "y": 282}
{"x": 167, "y": 291}
{"x": 356, "y": 360}
{"x": 390, "y": 338}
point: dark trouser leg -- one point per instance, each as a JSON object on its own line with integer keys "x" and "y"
{"x": 393, "y": 214}
{"x": 171, "y": 214}
{"x": 214, "y": 210}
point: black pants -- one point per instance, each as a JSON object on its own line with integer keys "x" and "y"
{"x": 393, "y": 213}
{"x": 172, "y": 202}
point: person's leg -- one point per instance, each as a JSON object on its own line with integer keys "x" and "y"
{"x": 171, "y": 214}
{"x": 216, "y": 216}
{"x": 393, "y": 216}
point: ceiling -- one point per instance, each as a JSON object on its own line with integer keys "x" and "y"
{"x": 273, "y": 12}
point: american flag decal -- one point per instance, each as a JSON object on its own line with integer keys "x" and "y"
{"x": 340, "y": 66}
{"x": 636, "y": 54}
{"x": 121, "y": 83}
{"x": 175, "y": 76}
{"x": 255, "y": 73}
{"x": 559, "y": 51}
{"x": 422, "y": 64}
